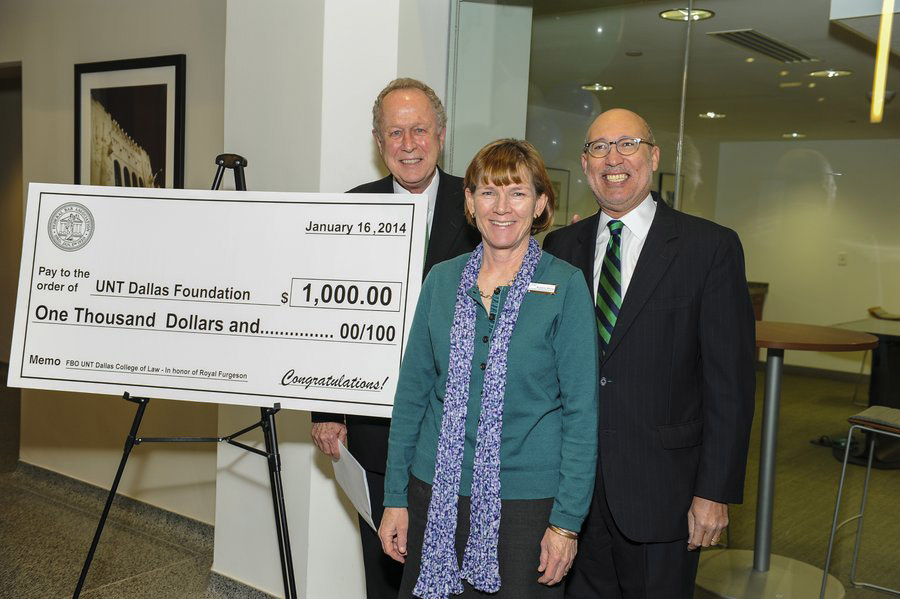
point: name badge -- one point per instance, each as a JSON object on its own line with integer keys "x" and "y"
{"x": 542, "y": 288}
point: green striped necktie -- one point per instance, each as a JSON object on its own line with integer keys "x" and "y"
{"x": 609, "y": 289}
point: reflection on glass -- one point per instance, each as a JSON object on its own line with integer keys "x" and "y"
{"x": 796, "y": 170}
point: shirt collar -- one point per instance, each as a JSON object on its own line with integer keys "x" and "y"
{"x": 430, "y": 191}
{"x": 638, "y": 220}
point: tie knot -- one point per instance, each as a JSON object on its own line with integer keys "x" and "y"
{"x": 615, "y": 227}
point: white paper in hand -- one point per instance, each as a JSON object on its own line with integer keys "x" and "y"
{"x": 352, "y": 479}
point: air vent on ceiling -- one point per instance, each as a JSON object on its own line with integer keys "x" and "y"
{"x": 758, "y": 42}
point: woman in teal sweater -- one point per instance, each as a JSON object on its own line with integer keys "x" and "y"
{"x": 493, "y": 441}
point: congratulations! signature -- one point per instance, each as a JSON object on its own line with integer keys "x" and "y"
{"x": 343, "y": 381}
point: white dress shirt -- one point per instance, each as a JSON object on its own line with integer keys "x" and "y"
{"x": 431, "y": 192}
{"x": 634, "y": 234}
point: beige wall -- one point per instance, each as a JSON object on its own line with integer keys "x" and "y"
{"x": 798, "y": 220}
{"x": 77, "y": 434}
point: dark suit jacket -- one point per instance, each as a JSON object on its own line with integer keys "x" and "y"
{"x": 450, "y": 236}
{"x": 677, "y": 381}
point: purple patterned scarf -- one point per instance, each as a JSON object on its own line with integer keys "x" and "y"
{"x": 440, "y": 575}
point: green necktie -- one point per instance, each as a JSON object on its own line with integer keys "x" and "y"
{"x": 609, "y": 289}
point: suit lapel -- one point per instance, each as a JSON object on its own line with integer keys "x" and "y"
{"x": 656, "y": 256}
{"x": 449, "y": 218}
{"x": 385, "y": 185}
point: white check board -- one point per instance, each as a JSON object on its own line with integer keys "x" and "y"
{"x": 252, "y": 298}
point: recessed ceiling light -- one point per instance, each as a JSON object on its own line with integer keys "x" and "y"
{"x": 830, "y": 73}
{"x": 599, "y": 29}
{"x": 750, "y": 59}
{"x": 820, "y": 99}
{"x": 811, "y": 84}
{"x": 790, "y": 84}
{"x": 783, "y": 73}
{"x": 711, "y": 115}
{"x": 681, "y": 14}
{"x": 793, "y": 135}
{"x": 596, "y": 87}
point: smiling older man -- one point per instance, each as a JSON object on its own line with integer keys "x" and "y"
{"x": 409, "y": 125}
{"x": 676, "y": 372}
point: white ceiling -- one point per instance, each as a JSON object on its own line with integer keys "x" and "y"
{"x": 567, "y": 50}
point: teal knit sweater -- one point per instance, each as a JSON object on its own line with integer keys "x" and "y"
{"x": 549, "y": 441}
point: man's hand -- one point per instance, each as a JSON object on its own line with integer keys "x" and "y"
{"x": 575, "y": 218}
{"x": 327, "y": 435}
{"x": 392, "y": 532}
{"x": 706, "y": 521}
{"x": 557, "y": 553}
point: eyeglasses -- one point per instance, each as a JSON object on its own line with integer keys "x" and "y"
{"x": 626, "y": 146}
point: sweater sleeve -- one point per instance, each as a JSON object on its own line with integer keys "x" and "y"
{"x": 575, "y": 349}
{"x": 414, "y": 388}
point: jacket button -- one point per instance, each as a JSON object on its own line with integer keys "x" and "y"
{"x": 603, "y": 381}
{"x": 484, "y": 339}
{"x": 491, "y": 317}
{"x": 483, "y": 365}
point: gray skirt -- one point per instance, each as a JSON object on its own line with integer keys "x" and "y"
{"x": 522, "y": 526}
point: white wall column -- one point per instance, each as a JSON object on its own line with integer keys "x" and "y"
{"x": 490, "y": 80}
{"x": 300, "y": 79}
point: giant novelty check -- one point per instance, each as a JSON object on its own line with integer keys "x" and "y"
{"x": 231, "y": 297}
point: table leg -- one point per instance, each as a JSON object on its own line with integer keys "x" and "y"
{"x": 765, "y": 497}
{"x": 738, "y": 574}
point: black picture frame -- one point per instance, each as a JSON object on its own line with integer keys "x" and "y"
{"x": 668, "y": 186}
{"x": 559, "y": 178}
{"x": 138, "y": 117}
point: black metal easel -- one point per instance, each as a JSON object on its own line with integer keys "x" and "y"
{"x": 266, "y": 423}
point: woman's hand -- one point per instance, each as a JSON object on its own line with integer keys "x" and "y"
{"x": 557, "y": 553}
{"x": 392, "y": 532}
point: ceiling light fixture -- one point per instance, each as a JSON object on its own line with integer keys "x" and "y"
{"x": 711, "y": 115}
{"x": 790, "y": 84}
{"x": 783, "y": 73}
{"x": 831, "y": 73}
{"x": 681, "y": 14}
{"x": 599, "y": 29}
{"x": 749, "y": 59}
{"x": 793, "y": 135}
{"x": 596, "y": 87}
{"x": 881, "y": 61}
{"x": 811, "y": 84}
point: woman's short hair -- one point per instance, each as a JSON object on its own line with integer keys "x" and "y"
{"x": 503, "y": 162}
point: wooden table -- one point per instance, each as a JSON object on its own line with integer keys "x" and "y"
{"x": 741, "y": 573}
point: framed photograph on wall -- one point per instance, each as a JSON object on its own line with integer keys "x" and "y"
{"x": 129, "y": 122}
{"x": 559, "y": 178}
{"x": 667, "y": 187}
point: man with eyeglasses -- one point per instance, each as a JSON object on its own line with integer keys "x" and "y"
{"x": 408, "y": 123}
{"x": 676, "y": 334}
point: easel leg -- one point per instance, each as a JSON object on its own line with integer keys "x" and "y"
{"x": 129, "y": 443}
{"x": 281, "y": 525}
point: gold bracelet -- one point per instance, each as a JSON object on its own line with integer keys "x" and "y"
{"x": 563, "y": 532}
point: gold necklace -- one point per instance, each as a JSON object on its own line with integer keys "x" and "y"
{"x": 488, "y": 295}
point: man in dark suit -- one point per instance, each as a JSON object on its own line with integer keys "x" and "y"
{"x": 409, "y": 124}
{"x": 676, "y": 373}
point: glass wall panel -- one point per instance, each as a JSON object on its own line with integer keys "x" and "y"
{"x": 787, "y": 159}
{"x": 794, "y": 166}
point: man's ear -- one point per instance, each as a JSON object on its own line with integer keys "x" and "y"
{"x": 442, "y": 136}
{"x": 378, "y": 141}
